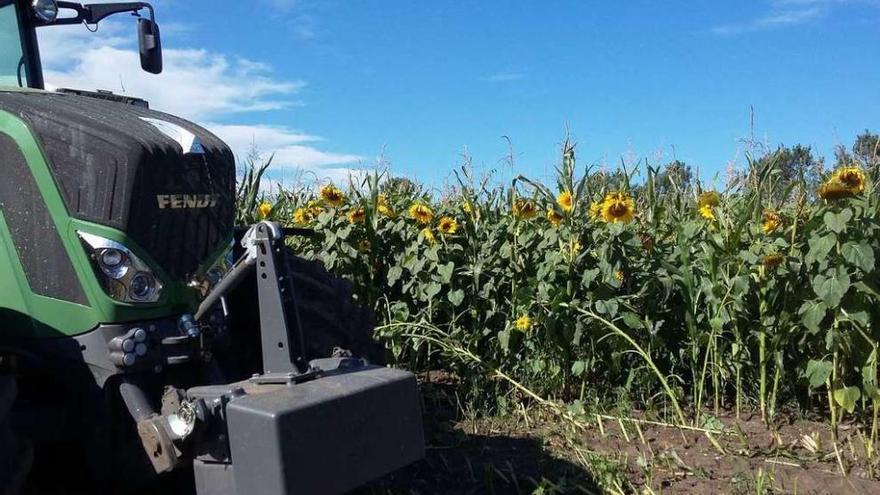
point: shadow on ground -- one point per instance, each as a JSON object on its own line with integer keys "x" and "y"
{"x": 480, "y": 457}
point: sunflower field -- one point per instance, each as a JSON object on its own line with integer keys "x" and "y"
{"x": 609, "y": 286}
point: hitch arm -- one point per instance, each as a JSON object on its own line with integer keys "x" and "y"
{"x": 282, "y": 339}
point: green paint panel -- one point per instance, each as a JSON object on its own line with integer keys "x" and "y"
{"x": 25, "y": 314}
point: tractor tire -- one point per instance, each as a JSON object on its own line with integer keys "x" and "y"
{"x": 333, "y": 324}
{"x": 15, "y": 455}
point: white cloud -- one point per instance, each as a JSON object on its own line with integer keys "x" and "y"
{"x": 786, "y": 13}
{"x": 504, "y": 77}
{"x": 776, "y": 19}
{"x": 196, "y": 84}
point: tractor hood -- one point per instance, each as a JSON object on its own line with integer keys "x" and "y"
{"x": 167, "y": 183}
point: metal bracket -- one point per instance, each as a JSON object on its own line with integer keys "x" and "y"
{"x": 283, "y": 344}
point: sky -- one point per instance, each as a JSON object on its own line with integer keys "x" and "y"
{"x": 334, "y": 86}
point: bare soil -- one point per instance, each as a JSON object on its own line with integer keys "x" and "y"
{"x": 532, "y": 451}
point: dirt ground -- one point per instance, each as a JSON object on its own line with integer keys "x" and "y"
{"x": 533, "y": 453}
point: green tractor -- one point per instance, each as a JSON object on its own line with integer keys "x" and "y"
{"x": 144, "y": 338}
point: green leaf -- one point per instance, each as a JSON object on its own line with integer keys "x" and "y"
{"x": 860, "y": 255}
{"x": 820, "y": 247}
{"x": 847, "y": 397}
{"x": 608, "y": 307}
{"x": 812, "y": 313}
{"x": 632, "y": 320}
{"x": 394, "y": 274}
{"x": 836, "y": 222}
{"x": 818, "y": 372}
{"x": 456, "y": 297}
{"x": 445, "y": 272}
{"x": 432, "y": 289}
{"x": 577, "y": 369}
{"x": 831, "y": 288}
{"x": 504, "y": 340}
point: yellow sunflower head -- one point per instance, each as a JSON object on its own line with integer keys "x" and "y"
{"x": 421, "y": 213}
{"x": 851, "y": 177}
{"x": 833, "y": 190}
{"x": 314, "y": 207}
{"x": 332, "y": 195}
{"x": 772, "y": 260}
{"x": 302, "y": 216}
{"x": 356, "y": 215}
{"x": 265, "y": 209}
{"x": 709, "y": 198}
{"x": 554, "y": 217}
{"x": 467, "y": 207}
{"x": 707, "y": 212}
{"x": 524, "y": 209}
{"x": 383, "y": 206}
{"x": 565, "y": 200}
{"x": 772, "y": 221}
{"x": 618, "y": 207}
{"x": 523, "y": 323}
{"x": 447, "y": 226}
{"x": 596, "y": 210}
{"x": 428, "y": 235}
{"x": 619, "y": 275}
{"x": 572, "y": 249}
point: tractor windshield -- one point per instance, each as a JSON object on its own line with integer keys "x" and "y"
{"x": 12, "y": 71}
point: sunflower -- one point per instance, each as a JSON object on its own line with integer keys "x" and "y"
{"x": 302, "y": 216}
{"x": 619, "y": 275}
{"x": 314, "y": 207}
{"x": 524, "y": 209}
{"x": 364, "y": 246}
{"x": 772, "y": 260}
{"x": 428, "y": 234}
{"x": 596, "y": 210}
{"x": 554, "y": 217}
{"x": 356, "y": 215}
{"x": 772, "y": 221}
{"x": 834, "y": 189}
{"x": 447, "y": 226}
{"x": 618, "y": 207}
{"x": 383, "y": 207}
{"x": 572, "y": 249}
{"x": 467, "y": 207}
{"x": 565, "y": 200}
{"x": 332, "y": 195}
{"x": 265, "y": 209}
{"x": 421, "y": 213}
{"x": 709, "y": 198}
{"x": 707, "y": 212}
{"x": 523, "y": 323}
{"x": 852, "y": 177}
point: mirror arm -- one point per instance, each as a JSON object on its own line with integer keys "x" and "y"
{"x": 96, "y": 12}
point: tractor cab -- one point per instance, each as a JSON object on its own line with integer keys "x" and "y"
{"x": 19, "y": 52}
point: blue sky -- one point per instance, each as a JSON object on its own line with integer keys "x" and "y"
{"x": 334, "y": 83}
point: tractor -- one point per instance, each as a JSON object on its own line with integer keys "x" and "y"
{"x": 146, "y": 341}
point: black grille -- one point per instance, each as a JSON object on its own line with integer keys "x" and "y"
{"x": 111, "y": 165}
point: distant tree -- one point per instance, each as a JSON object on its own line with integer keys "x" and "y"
{"x": 675, "y": 176}
{"x": 400, "y": 185}
{"x": 867, "y": 148}
{"x": 793, "y": 164}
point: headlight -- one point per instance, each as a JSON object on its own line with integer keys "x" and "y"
{"x": 122, "y": 274}
{"x": 206, "y": 279}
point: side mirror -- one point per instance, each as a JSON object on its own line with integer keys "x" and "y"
{"x": 150, "y": 45}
